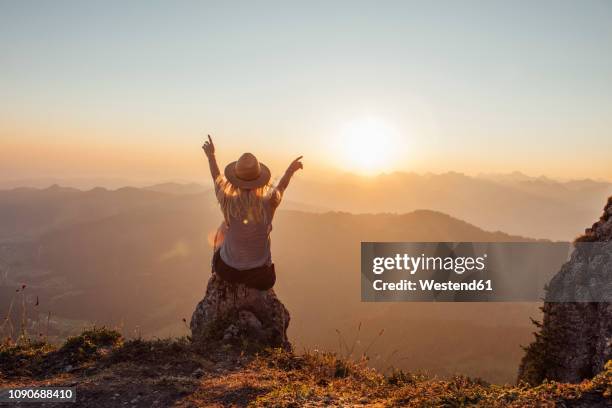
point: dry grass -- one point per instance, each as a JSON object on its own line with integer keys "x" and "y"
{"x": 173, "y": 372}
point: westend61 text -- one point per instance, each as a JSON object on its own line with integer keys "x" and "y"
{"x": 432, "y": 285}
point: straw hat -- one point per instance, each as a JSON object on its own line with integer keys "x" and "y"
{"x": 247, "y": 172}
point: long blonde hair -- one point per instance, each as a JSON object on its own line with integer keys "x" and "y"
{"x": 245, "y": 204}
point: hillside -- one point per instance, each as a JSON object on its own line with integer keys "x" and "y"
{"x": 142, "y": 267}
{"x": 27, "y": 212}
{"x": 536, "y": 207}
{"x": 107, "y": 371}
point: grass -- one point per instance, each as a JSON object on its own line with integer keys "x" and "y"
{"x": 174, "y": 372}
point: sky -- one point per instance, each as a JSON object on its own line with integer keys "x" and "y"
{"x": 130, "y": 89}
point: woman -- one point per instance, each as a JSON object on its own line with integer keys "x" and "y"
{"x": 248, "y": 202}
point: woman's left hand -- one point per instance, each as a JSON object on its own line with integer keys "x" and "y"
{"x": 295, "y": 165}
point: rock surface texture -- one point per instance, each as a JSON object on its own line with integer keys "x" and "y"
{"x": 236, "y": 314}
{"x": 575, "y": 338}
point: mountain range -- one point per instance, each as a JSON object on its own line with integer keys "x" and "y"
{"x": 138, "y": 259}
{"x": 538, "y": 207}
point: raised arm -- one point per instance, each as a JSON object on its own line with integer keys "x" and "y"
{"x": 209, "y": 150}
{"x": 293, "y": 167}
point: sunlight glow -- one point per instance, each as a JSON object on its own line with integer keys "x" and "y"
{"x": 368, "y": 146}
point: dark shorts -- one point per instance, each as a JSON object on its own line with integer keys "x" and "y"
{"x": 262, "y": 277}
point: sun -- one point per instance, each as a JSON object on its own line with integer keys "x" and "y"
{"x": 367, "y": 146}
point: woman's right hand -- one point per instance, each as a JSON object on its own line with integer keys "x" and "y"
{"x": 209, "y": 148}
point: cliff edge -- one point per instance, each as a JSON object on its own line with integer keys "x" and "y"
{"x": 574, "y": 340}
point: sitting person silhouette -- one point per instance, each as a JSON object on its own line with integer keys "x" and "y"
{"x": 248, "y": 201}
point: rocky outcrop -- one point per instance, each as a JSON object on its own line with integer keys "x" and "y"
{"x": 236, "y": 314}
{"x": 574, "y": 341}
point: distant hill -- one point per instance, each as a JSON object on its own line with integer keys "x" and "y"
{"x": 140, "y": 259}
{"x": 538, "y": 207}
{"x": 515, "y": 203}
{"x": 177, "y": 188}
{"x": 29, "y": 212}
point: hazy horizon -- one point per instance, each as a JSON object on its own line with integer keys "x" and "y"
{"x": 83, "y": 182}
{"x": 129, "y": 91}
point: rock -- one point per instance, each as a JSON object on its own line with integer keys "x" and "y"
{"x": 575, "y": 338}
{"x": 236, "y": 314}
{"x": 198, "y": 373}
